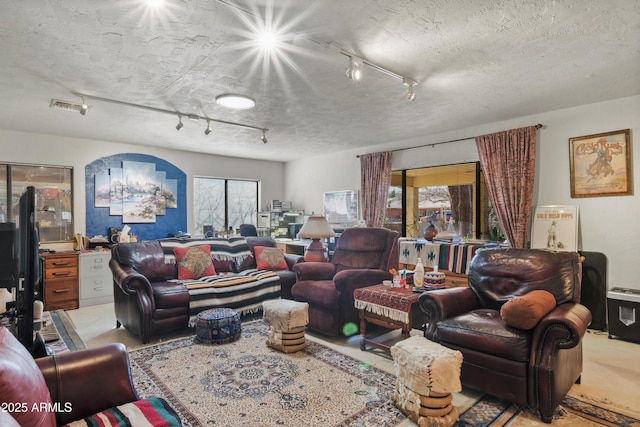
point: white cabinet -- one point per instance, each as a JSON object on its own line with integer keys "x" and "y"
{"x": 96, "y": 281}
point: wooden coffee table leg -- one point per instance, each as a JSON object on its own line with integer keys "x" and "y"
{"x": 363, "y": 329}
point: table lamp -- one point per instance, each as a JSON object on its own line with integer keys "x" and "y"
{"x": 316, "y": 228}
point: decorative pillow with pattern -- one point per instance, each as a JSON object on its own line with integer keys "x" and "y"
{"x": 270, "y": 258}
{"x": 194, "y": 262}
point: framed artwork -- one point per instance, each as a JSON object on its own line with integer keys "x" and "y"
{"x": 601, "y": 164}
{"x": 555, "y": 227}
{"x": 341, "y": 207}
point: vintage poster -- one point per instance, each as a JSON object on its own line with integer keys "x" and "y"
{"x": 601, "y": 164}
{"x": 555, "y": 227}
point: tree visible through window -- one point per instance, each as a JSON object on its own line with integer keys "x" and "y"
{"x": 224, "y": 203}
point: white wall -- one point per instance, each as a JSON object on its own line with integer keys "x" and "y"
{"x": 607, "y": 224}
{"x": 18, "y": 147}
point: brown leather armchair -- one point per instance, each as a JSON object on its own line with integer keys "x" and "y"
{"x": 534, "y": 367}
{"x": 362, "y": 257}
{"x": 59, "y": 389}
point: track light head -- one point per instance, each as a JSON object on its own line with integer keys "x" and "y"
{"x": 208, "y": 130}
{"x": 84, "y": 108}
{"x": 264, "y": 137}
{"x": 179, "y": 125}
{"x": 354, "y": 72}
{"x": 411, "y": 94}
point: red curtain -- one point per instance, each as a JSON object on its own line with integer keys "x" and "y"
{"x": 508, "y": 163}
{"x": 375, "y": 174}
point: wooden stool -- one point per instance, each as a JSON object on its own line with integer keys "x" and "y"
{"x": 287, "y": 320}
{"x": 426, "y": 375}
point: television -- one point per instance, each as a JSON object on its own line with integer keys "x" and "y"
{"x": 28, "y": 268}
{"x": 8, "y": 256}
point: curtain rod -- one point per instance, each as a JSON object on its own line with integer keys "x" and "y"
{"x": 433, "y": 144}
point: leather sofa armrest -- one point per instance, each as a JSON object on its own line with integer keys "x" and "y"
{"x": 563, "y": 327}
{"x": 314, "y": 270}
{"x": 88, "y": 381}
{"x": 129, "y": 280}
{"x": 347, "y": 281}
{"x": 292, "y": 260}
{"x": 442, "y": 304}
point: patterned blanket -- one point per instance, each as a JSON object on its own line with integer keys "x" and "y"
{"x": 244, "y": 291}
{"x": 453, "y": 257}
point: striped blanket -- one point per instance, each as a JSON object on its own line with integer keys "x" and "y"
{"x": 453, "y": 257}
{"x": 233, "y": 249}
{"x": 244, "y": 291}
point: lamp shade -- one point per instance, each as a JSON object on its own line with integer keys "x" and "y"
{"x": 316, "y": 227}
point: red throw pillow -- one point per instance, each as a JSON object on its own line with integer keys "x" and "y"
{"x": 268, "y": 258}
{"x": 194, "y": 262}
{"x": 524, "y": 312}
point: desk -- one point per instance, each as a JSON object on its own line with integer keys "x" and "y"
{"x": 391, "y": 308}
{"x": 295, "y": 247}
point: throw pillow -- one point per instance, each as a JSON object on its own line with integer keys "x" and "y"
{"x": 270, "y": 258}
{"x": 524, "y": 312}
{"x": 194, "y": 262}
{"x": 149, "y": 412}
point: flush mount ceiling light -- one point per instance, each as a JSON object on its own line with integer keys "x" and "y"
{"x": 180, "y": 125}
{"x": 354, "y": 73}
{"x": 236, "y": 102}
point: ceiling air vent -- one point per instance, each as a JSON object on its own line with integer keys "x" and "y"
{"x": 65, "y": 105}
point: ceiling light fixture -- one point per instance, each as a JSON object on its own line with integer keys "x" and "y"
{"x": 263, "y": 138}
{"x": 236, "y": 102}
{"x": 174, "y": 113}
{"x": 84, "y": 108}
{"x": 355, "y": 73}
{"x": 208, "y": 130}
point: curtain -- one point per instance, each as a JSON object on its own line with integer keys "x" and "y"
{"x": 508, "y": 164}
{"x": 375, "y": 177}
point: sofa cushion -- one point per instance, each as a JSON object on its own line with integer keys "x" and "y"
{"x": 154, "y": 411}
{"x": 268, "y": 258}
{"x": 22, "y": 385}
{"x": 194, "y": 262}
{"x": 524, "y": 312}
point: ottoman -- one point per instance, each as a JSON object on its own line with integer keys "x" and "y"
{"x": 218, "y": 326}
{"x": 426, "y": 375}
{"x": 287, "y": 320}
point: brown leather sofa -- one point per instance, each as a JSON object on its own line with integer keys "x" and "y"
{"x": 147, "y": 302}
{"x": 59, "y": 389}
{"x": 362, "y": 257}
{"x": 534, "y": 367}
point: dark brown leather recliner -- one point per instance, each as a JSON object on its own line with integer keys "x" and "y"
{"x": 59, "y": 389}
{"x": 362, "y": 257}
{"x": 535, "y": 367}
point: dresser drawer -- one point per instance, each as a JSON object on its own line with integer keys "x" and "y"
{"x": 60, "y": 290}
{"x": 66, "y": 262}
{"x": 60, "y": 273}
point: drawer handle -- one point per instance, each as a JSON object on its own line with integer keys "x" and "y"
{"x": 61, "y": 263}
{"x": 63, "y": 273}
{"x": 99, "y": 288}
{"x": 60, "y": 291}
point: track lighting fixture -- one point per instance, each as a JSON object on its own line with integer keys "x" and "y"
{"x": 84, "y": 108}
{"x": 355, "y": 73}
{"x": 180, "y": 125}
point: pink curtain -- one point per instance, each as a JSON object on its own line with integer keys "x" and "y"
{"x": 375, "y": 177}
{"x": 508, "y": 163}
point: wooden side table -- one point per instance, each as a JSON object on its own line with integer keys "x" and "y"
{"x": 391, "y": 308}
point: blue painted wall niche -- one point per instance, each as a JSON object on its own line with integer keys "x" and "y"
{"x": 98, "y": 219}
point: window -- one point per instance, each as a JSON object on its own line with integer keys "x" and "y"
{"x": 54, "y": 201}
{"x": 224, "y": 203}
{"x": 452, "y": 198}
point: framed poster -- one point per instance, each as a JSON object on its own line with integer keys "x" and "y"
{"x": 341, "y": 207}
{"x": 555, "y": 227}
{"x": 601, "y": 164}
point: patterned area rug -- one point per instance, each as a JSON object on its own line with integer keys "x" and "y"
{"x": 59, "y": 332}
{"x": 247, "y": 383}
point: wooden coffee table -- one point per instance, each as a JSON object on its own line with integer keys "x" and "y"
{"x": 391, "y": 308}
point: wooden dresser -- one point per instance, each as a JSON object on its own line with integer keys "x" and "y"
{"x": 60, "y": 281}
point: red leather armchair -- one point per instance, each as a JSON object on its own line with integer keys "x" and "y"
{"x": 59, "y": 389}
{"x": 362, "y": 257}
{"x": 534, "y": 367}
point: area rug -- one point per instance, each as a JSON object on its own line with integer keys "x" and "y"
{"x": 59, "y": 333}
{"x": 248, "y": 383}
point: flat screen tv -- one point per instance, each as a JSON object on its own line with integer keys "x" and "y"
{"x": 8, "y": 256}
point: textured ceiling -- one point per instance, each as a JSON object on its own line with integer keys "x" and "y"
{"x": 475, "y": 62}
